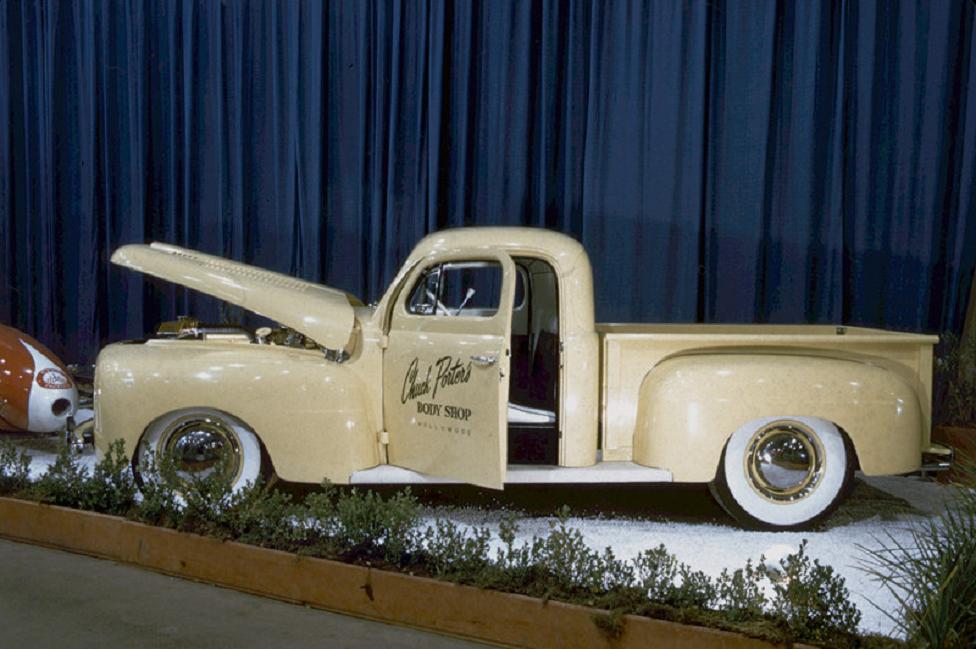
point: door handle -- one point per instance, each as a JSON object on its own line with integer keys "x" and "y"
{"x": 484, "y": 360}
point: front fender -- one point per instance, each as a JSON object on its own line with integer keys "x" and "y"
{"x": 690, "y": 405}
{"x": 311, "y": 414}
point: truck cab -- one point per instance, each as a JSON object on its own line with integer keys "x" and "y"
{"x": 479, "y": 342}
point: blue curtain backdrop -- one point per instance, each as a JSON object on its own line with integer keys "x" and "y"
{"x": 721, "y": 161}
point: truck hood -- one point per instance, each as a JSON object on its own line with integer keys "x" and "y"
{"x": 321, "y": 313}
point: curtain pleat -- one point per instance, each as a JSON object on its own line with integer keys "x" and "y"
{"x": 748, "y": 161}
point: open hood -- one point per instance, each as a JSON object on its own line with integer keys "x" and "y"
{"x": 321, "y": 313}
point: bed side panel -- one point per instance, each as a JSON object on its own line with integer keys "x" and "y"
{"x": 628, "y": 357}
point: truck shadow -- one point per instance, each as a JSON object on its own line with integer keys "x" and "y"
{"x": 676, "y": 503}
{"x": 672, "y": 502}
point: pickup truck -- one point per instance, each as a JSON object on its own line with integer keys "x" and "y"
{"x": 482, "y": 364}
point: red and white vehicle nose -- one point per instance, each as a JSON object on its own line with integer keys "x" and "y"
{"x": 37, "y": 393}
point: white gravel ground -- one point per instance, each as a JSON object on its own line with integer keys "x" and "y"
{"x": 709, "y": 547}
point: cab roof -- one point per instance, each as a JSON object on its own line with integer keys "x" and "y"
{"x": 561, "y": 249}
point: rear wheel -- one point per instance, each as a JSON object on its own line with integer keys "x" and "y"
{"x": 783, "y": 472}
{"x": 198, "y": 442}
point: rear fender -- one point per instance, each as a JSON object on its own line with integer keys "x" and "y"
{"x": 690, "y": 405}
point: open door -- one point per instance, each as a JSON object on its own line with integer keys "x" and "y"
{"x": 446, "y": 367}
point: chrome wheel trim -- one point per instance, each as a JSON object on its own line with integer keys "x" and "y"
{"x": 784, "y": 462}
{"x": 197, "y": 443}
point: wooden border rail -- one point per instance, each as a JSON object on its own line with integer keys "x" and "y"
{"x": 492, "y": 616}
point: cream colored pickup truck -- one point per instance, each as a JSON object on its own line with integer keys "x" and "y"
{"x": 482, "y": 364}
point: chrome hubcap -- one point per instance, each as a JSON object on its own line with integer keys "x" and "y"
{"x": 200, "y": 446}
{"x": 784, "y": 461}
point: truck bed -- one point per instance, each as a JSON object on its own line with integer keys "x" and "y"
{"x": 629, "y": 351}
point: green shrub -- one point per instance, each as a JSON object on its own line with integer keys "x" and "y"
{"x": 740, "y": 593}
{"x": 453, "y": 553}
{"x": 565, "y": 565}
{"x": 261, "y": 516}
{"x": 111, "y": 488}
{"x": 954, "y": 397}
{"x": 695, "y": 590}
{"x": 665, "y": 580}
{"x": 813, "y": 600}
{"x": 657, "y": 570}
{"x": 159, "y": 502}
{"x": 366, "y": 527}
{"x": 64, "y": 483}
{"x": 14, "y": 468}
{"x": 558, "y": 565}
{"x": 204, "y": 499}
{"x": 617, "y": 574}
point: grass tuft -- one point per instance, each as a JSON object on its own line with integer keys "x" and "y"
{"x": 932, "y": 576}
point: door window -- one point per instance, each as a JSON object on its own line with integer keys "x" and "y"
{"x": 458, "y": 289}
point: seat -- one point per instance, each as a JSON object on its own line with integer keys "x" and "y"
{"x": 519, "y": 414}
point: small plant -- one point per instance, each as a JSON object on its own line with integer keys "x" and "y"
{"x": 112, "y": 488}
{"x": 657, "y": 570}
{"x": 696, "y": 589}
{"x": 955, "y": 381}
{"x": 741, "y": 593}
{"x": 665, "y": 580}
{"x": 14, "y": 468}
{"x": 565, "y": 564}
{"x": 159, "y": 503}
{"x": 261, "y": 516}
{"x": 813, "y": 599}
{"x": 205, "y": 498}
{"x": 369, "y": 528}
{"x": 454, "y": 553}
{"x": 109, "y": 489}
{"x": 64, "y": 483}
{"x": 611, "y": 623}
{"x": 954, "y": 404}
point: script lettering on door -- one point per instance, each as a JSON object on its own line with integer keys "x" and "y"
{"x": 423, "y": 385}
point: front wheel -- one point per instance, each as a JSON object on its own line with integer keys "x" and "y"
{"x": 783, "y": 472}
{"x": 198, "y": 442}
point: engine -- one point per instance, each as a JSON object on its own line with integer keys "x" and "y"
{"x": 190, "y": 328}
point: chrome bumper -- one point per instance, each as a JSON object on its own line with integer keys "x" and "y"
{"x": 936, "y": 458}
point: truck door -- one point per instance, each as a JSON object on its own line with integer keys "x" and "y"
{"x": 446, "y": 367}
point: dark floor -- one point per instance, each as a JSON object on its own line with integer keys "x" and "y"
{"x": 50, "y": 598}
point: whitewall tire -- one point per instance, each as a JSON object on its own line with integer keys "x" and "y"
{"x": 197, "y": 439}
{"x": 784, "y": 472}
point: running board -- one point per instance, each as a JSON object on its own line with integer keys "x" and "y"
{"x": 604, "y": 472}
